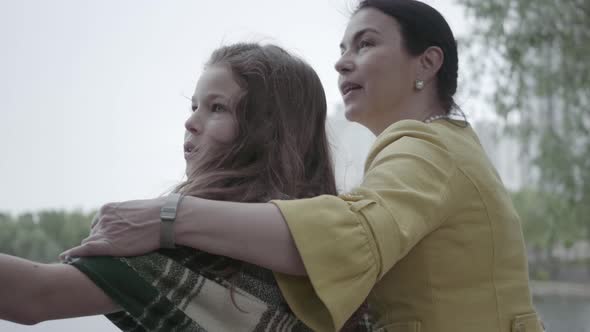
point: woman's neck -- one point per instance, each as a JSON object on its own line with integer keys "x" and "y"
{"x": 418, "y": 108}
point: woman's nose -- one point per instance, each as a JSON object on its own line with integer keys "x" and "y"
{"x": 192, "y": 124}
{"x": 344, "y": 64}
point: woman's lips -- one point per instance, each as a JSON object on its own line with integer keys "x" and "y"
{"x": 348, "y": 89}
{"x": 351, "y": 93}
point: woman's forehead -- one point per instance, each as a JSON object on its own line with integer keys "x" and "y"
{"x": 370, "y": 20}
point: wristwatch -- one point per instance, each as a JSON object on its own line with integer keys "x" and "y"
{"x": 167, "y": 217}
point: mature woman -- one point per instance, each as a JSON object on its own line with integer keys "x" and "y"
{"x": 430, "y": 236}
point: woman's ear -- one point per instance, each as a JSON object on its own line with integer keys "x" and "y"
{"x": 430, "y": 62}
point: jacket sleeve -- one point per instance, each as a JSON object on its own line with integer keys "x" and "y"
{"x": 349, "y": 242}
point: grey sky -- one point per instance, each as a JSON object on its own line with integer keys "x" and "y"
{"x": 92, "y": 92}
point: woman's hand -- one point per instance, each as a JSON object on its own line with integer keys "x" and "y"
{"x": 128, "y": 228}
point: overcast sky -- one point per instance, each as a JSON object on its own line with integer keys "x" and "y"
{"x": 92, "y": 93}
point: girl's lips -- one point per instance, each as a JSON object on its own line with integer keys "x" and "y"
{"x": 189, "y": 147}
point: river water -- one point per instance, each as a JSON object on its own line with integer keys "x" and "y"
{"x": 559, "y": 314}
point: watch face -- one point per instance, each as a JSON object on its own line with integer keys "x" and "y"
{"x": 168, "y": 213}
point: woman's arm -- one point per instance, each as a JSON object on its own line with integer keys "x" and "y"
{"x": 33, "y": 292}
{"x": 252, "y": 232}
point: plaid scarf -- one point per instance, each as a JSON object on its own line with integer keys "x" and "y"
{"x": 188, "y": 290}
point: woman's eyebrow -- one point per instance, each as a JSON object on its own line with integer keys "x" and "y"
{"x": 357, "y": 35}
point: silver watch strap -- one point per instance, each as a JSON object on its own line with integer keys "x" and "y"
{"x": 167, "y": 217}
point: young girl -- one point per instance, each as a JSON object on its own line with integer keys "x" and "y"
{"x": 256, "y": 132}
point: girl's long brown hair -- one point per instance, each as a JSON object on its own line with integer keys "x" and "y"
{"x": 281, "y": 150}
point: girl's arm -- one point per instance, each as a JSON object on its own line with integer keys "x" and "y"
{"x": 31, "y": 292}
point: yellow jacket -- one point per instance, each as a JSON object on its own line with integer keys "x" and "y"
{"x": 430, "y": 237}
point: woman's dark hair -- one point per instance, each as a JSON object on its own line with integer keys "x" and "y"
{"x": 421, "y": 27}
{"x": 281, "y": 149}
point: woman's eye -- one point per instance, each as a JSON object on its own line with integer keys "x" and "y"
{"x": 365, "y": 43}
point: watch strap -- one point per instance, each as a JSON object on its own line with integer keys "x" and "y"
{"x": 167, "y": 218}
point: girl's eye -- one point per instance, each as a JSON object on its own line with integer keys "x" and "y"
{"x": 217, "y": 108}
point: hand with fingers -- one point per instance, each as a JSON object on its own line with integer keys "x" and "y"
{"x": 127, "y": 228}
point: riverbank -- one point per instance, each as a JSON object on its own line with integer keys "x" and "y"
{"x": 557, "y": 288}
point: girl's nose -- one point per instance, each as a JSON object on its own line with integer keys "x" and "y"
{"x": 192, "y": 124}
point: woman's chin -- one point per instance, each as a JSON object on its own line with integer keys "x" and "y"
{"x": 352, "y": 113}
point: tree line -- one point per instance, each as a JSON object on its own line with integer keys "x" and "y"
{"x": 43, "y": 235}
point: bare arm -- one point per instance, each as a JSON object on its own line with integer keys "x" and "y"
{"x": 253, "y": 232}
{"x": 33, "y": 292}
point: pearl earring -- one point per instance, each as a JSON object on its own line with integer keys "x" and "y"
{"x": 419, "y": 84}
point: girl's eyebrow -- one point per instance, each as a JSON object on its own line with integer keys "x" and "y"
{"x": 210, "y": 96}
{"x": 357, "y": 35}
